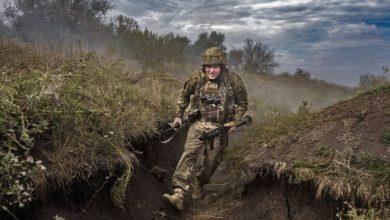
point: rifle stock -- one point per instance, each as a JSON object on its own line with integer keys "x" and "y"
{"x": 224, "y": 128}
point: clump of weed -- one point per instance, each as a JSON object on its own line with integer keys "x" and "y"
{"x": 349, "y": 211}
{"x": 385, "y": 137}
{"x": 350, "y": 177}
{"x": 385, "y": 88}
{"x": 17, "y": 174}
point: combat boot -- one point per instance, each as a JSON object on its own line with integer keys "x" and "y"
{"x": 176, "y": 199}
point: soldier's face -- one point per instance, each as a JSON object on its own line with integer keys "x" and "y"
{"x": 212, "y": 71}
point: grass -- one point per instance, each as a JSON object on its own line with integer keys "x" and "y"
{"x": 270, "y": 124}
{"x": 354, "y": 177}
{"x": 78, "y": 108}
{"x": 385, "y": 88}
{"x": 358, "y": 178}
{"x": 83, "y": 110}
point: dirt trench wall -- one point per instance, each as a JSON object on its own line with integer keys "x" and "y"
{"x": 266, "y": 197}
{"x": 273, "y": 198}
{"x": 90, "y": 199}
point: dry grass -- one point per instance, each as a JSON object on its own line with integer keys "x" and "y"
{"x": 358, "y": 178}
{"x": 350, "y": 177}
{"x": 77, "y": 108}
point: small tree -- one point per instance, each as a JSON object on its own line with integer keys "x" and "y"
{"x": 205, "y": 40}
{"x": 302, "y": 74}
{"x": 258, "y": 58}
{"x": 34, "y": 20}
{"x": 386, "y": 72}
{"x": 155, "y": 52}
{"x": 235, "y": 58}
{"x": 3, "y": 28}
{"x": 124, "y": 25}
{"x": 369, "y": 81}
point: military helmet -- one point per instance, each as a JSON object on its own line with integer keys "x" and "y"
{"x": 214, "y": 55}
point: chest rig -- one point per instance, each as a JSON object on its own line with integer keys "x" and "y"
{"x": 215, "y": 100}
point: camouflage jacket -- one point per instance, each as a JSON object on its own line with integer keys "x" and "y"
{"x": 237, "y": 94}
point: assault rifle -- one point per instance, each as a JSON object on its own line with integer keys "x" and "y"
{"x": 171, "y": 130}
{"x": 223, "y": 129}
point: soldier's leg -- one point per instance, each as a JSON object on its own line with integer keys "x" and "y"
{"x": 212, "y": 159}
{"x": 187, "y": 166}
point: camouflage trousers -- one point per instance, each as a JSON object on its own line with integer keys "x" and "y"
{"x": 198, "y": 162}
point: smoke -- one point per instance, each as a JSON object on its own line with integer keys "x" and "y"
{"x": 288, "y": 93}
{"x": 48, "y": 24}
{"x": 74, "y": 28}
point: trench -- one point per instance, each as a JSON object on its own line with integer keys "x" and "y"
{"x": 272, "y": 197}
{"x": 91, "y": 198}
{"x": 149, "y": 182}
{"x": 264, "y": 197}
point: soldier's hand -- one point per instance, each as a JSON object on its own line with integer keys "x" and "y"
{"x": 177, "y": 122}
{"x": 232, "y": 129}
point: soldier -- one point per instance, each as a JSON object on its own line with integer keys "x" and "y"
{"x": 218, "y": 96}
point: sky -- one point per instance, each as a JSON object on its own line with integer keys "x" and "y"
{"x": 334, "y": 40}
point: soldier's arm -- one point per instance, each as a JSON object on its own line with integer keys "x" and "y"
{"x": 240, "y": 99}
{"x": 185, "y": 94}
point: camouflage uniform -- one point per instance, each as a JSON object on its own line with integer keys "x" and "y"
{"x": 219, "y": 101}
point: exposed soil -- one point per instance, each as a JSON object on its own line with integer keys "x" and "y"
{"x": 265, "y": 197}
{"x": 353, "y": 128}
{"x": 149, "y": 182}
{"x": 273, "y": 198}
{"x": 353, "y": 125}
{"x": 261, "y": 196}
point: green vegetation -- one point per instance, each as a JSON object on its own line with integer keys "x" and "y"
{"x": 357, "y": 177}
{"x": 384, "y": 88}
{"x": 385, "y": 137}
{"x": 82, "y": 111}
{"x": 370, "y": 81}
{"x": 78, "y": 109}
{"x": 16, "y": 182}
{"x": 348, "y": 211}
{"x": 42, "y": 21}
{"x": 257, "y": 57}
{"x": 270, "y": 124}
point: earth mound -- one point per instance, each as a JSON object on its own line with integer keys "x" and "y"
{"x": 334, "y": 162}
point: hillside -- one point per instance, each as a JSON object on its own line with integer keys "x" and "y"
{"x": 312, "y": 166}
{"x": 79, "y": 135}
